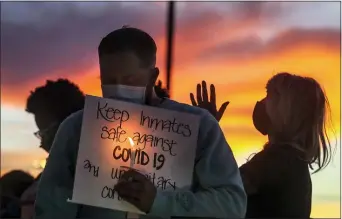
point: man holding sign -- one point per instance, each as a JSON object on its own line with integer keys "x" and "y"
{"x": 127, "y": 66}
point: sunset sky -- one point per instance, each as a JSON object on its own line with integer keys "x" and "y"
{"x": 236, "y": 46}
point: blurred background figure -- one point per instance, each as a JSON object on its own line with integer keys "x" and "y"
{"x": 293, "y": 115}
{"x": 50, "y": 104}
{"x": 12, "y": 185}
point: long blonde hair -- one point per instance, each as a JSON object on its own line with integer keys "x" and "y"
{"x": 298, "y": 109}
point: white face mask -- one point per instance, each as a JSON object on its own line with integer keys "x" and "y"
{"x": 124, "y": 92}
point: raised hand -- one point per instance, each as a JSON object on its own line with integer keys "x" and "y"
{"x": 205, "y": 103}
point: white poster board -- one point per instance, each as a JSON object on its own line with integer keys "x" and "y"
{"x": 165, "y": 143}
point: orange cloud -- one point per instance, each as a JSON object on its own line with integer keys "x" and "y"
{"x": 252, "y": 47}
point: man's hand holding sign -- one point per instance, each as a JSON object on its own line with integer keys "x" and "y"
{"x": 136, "y": 189}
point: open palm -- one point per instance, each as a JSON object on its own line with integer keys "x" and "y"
{"x": 208, "y": 103}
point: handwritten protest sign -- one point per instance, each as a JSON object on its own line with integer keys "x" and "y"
{"x": 164, "y": 145}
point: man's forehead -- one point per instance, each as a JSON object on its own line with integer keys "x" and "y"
{"x": 121, "y": 66}
{"x": 121, "y": 58}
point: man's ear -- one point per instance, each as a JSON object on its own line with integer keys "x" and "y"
{"x": 154, "y": 76}
{"x": 150, "y": 85}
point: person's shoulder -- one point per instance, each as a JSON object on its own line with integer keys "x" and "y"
{"x": 30, "y": 193}
{"x": 186, "y": 108}
{"x": 282, "y": 157}
{"x": 269, "y": 153}
{"x": 283, "y": 152}
{"x": 73, "y": 121}
{"x": 67, "y": 136}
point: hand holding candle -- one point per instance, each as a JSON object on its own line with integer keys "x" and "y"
{"x": 132, "y": 152}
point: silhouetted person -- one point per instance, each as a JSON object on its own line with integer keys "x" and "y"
{"x": 50, "y": 104}
{"x": 127, "y": 68}
{"x": 56, "y": 100}
{"x": 12, "y": 185}
{"x": 277, "y": 179}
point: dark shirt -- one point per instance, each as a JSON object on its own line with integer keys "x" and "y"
{"x": 282, "y": 181}
{"x": 10, "y": 207}
{"x": 38, "y": 177}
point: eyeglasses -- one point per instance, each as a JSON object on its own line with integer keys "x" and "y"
{"x": 40, "y": 133}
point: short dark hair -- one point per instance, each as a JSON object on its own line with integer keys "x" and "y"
{"x": 15, "y": 181}
{"x": 61, "y": 98}
{"x": 128, "y": 39}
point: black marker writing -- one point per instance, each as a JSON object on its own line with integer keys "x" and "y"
{"x": 91, "y": 168}
{"x": 116, "y": 134}
{"x": 109, "y": 192}
{"x": 158, "y": 161}
{"x": 141, "y": 157}
{"x": 117, "y": 173}
{"x": 165, "y": 125}
{"x": 122, "y": 153}
{"x": 111, "y": 115}
{"x": 161, "y": 182}
{"x": 154, "y": 141}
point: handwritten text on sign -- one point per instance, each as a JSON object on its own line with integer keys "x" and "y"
{"x": 164, "y": 149}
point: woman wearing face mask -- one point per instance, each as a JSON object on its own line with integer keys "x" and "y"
{"x": 277, "y": 179}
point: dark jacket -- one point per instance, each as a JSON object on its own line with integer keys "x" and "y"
{"x": 283, "y": 184}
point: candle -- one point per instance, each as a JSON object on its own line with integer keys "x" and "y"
{"x": 132, "y": 152}
{"x": 131, "y": 215}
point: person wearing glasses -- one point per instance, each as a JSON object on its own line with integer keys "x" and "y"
{"x": 50, "y": 104}
{"x": 55, "y": 101}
